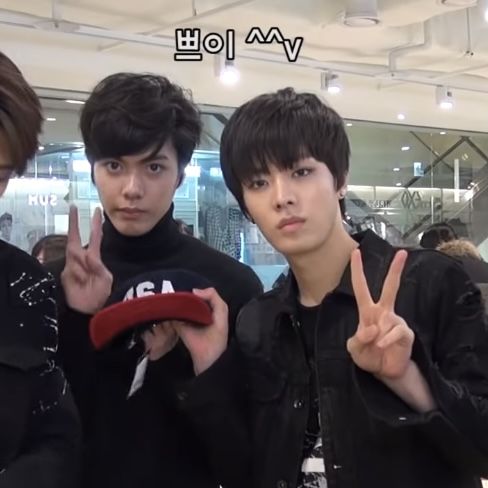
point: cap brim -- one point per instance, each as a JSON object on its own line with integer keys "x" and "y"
{"x": 120, "y": 317}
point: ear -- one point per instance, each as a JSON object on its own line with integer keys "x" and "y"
{"x": 342, "y": 192}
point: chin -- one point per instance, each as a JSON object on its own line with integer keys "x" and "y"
{"x": 300, "y": 246}
{"x": 131, "y": 229}
{"x": 290, "y": 249}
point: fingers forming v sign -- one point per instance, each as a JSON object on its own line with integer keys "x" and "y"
{"x": 382, "y": 344}
{"x": 86, "y": 281}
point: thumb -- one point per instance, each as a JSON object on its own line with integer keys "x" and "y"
{"x": 205, "y": 294}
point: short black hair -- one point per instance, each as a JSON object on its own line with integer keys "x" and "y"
{"x": 20, "y": 115}
{"x": 131, "y": 113}
{"x": 279, "y": 129}
{"x": 436, "y": 234}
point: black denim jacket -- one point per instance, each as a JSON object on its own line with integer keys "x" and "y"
{"x": 251, "y": 406}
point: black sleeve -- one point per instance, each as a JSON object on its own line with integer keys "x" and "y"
{"x": 51, "y": 455}
{"x": 216, "y": 405}
{"x": 77, "y": 357}
{"x": 76, "y": 353}
{"x": 456, "y": 371}
{"x": 247, "y": 287}
{"x": 39, "y": 425}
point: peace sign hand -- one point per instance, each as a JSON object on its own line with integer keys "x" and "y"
{"x": 87, "y": 283}
{"x": 382, "y": 344}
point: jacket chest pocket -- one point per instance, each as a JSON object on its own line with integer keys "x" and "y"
{"x": 266, "y": 382}
{"x": 334, "y": 368}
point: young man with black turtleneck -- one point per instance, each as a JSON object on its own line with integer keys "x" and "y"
{"x": 139, "y": 132}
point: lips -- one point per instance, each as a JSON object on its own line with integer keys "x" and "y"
{"x": 290, "y": 221}
{"x": 131, "y": 211}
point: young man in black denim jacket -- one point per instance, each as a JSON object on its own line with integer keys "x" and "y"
{"x": 369, "y": 366}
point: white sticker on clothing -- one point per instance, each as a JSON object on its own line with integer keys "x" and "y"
{"x": 139, "y": 375}
{"x": 313, "y": 465}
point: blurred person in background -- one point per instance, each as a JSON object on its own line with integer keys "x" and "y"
{"x": 50, "y": 248}
{"x": 436, "y": 234}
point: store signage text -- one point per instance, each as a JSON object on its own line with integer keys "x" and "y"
{"x": 43, "y": 200}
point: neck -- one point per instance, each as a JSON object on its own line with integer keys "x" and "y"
{"x": 318, "y": 273}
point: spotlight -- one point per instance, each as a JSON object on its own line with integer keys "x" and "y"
{"x": 226, "y": 70}
{"x": 401, "y": 116}
{"x": 361, "y": 13}
{"x": 444, "y": 98}
{"x": 330, "y": 82}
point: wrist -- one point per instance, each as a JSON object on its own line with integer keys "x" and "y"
{"x": 398, "y": 378}
{"x": 200, "y": 365}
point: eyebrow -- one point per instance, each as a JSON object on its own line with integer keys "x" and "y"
{"x": 148, "y": 159}
{"x": 157, "y": 157}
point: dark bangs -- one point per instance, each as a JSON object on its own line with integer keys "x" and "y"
{"x": 129, "y": 114}
{"x": 280, "y": 129}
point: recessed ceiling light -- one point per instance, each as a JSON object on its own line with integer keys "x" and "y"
{"x": 361, "y": 21}
{"x": 41, "y": 148}
{"x": 75, "y": 102}
{"x": 405, "y": 148}
{"x": 398, "y": 184}
{"x": 51, "y": 119}
{"x": 442, "y": 133}
{"x": 401, "y": 116}
{"x": 396, "y": 169}
{"x": 349, "y": 124}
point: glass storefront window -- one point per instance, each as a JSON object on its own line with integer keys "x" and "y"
{"x": 402, "y": 179}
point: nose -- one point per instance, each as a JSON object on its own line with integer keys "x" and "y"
{"x": 284, "y": 194}
{"x": 133, "y": 187}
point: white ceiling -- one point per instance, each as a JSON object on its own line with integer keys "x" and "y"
{"x": 77, "y": 60}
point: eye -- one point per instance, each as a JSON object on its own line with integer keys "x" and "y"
{"x": 256, "y": 184}
{"x": 301, "y": 172}
{"x": 155, "y": 168}
{"x": 113, "y": 166}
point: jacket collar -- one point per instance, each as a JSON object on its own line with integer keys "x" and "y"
{"x": 376, "y": 255}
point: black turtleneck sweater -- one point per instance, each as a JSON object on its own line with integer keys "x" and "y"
{"x": 144, "y": 441}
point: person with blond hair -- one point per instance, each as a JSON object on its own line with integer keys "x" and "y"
{"x": 469, "y": 256}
